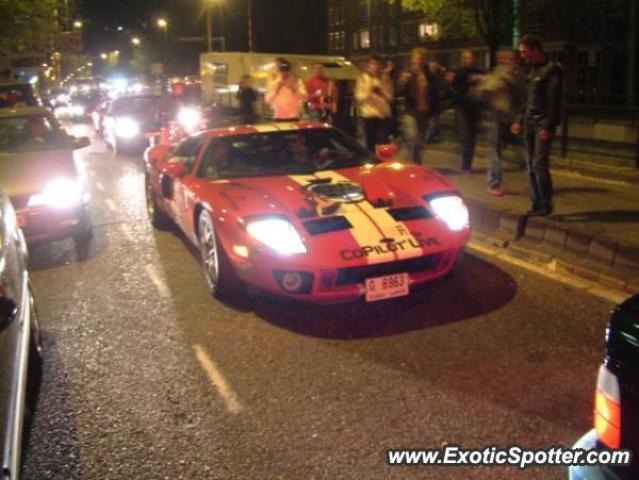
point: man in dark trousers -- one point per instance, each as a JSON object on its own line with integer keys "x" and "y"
{"x": 539, "y": 120}
{"x": 467, "y": 107}
{"x": 419, "y": 88}
{"x": 246, "y": 96}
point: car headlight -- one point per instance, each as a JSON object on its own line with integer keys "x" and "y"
{"x": 77, "y": 110}
{"x": 126, "y": 127}
{"x": 189, "y": 118}
{"x": 60, "y": 193}
{"x": 452, "y": 210}
{"x": 277, "y": 234}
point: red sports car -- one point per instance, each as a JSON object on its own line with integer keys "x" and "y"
{"x": 303, "y": 211}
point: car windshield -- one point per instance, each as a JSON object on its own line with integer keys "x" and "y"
{"x": 295, "y": 152}
{"x": 134, "y": 105}
{"x": 16, "y": 95}
{"x": 28, "y": 133}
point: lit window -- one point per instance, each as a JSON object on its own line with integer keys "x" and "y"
{"x": 365, "y": 38}
{"x": 428, "y": 30}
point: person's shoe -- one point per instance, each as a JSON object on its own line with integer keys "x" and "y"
{"x": 496, "y": 192}
{"x": 543, "y": 212}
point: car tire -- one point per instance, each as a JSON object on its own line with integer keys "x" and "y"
{"x": 119, "y": 148}
{"x": 157, "y": 217}
{"x": 83, "y": 235}
{"x": 219, "y": 273}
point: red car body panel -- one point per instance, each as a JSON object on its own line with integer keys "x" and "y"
{"x": 374, "y": 239}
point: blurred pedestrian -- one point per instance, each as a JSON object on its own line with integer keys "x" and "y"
{"x": 285, "y": 92}
{"x": 419, "y": 88}
{"x": 246, "y": 96}
{"x": 393, "y": 127}
{"x": 501, "y": 93}
{"x": 322, "y": 95}
{"x": 374, "y": 93}
{"x": 467, "y": 107}
{"x": 538, "y": 121}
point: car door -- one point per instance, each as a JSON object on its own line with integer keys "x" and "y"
{"x": 12, "y": 329}
{"x": 183, "y": 189}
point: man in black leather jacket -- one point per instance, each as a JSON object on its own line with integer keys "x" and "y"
{"x": 539, "y": 120}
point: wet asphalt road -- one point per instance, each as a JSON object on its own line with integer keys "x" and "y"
{"x": 147, "y": 377}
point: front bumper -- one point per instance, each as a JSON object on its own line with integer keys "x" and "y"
{"x": 339, "y": 282}
{"x": 44, "y": 224}
{"x": 589, "y": 442}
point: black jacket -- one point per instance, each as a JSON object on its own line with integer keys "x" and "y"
{"x": 543, "y": 96}
{"x": 409, "y": 92}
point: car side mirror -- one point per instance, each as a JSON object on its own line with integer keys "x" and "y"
{"x": 175, "y": 168}
{"x": 80, "y": 142}
{"x": 8, "y": 310}
{"x": 387, "y": 152}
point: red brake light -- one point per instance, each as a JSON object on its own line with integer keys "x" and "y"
{"x": 608, "y": 409}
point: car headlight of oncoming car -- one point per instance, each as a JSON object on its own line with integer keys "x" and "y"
{"x": 60, "y": 193}
{"x": 451, "y": 209}
{"x": 126, "y": 127}
{"x": 277, "y": 234}
{"x": 189, "y": 118}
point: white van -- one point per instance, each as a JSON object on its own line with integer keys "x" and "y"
{"x": 221, "y": 73}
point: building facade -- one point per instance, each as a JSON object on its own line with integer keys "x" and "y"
{"x": 595, "y": 40}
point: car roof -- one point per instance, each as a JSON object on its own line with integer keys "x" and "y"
{"x": 265, "y": 128}
{"x": 15, "y": 81}
{"x": 23, "y": 111}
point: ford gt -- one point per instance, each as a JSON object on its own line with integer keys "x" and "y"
{"x": 301, "y": 210}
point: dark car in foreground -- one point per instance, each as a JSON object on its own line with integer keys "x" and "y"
{"x": 20, "y": 352}
{"x": 616, "y": 414}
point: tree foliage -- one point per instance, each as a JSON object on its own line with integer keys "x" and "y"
{"x": 27, "y": 25}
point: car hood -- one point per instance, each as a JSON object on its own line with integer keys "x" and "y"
{"x": 24, "y": 173}
{"x": 354, "y": 210}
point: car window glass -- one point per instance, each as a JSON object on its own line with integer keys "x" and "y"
{"x": 29, "y": 132}
{"x": 187, "y": 151}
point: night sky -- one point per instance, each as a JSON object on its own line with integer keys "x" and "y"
{"x": 283, "y": 26}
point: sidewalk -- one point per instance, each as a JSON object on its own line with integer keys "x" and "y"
{"x": 593, "y": 232}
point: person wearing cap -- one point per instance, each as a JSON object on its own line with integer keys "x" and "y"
{"x": 285, "y": 93}
{"x": 538, "y": 121}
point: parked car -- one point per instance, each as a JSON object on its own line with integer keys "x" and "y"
{"x": 616, "y": 412}
{"x": 302, "y": 211}
{"x": 20, "y": 355}
{"x": 44, "y": 178}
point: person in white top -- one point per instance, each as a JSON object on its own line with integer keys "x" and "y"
{"x": 286, "y": 93}
{"x": 374, "y": 93}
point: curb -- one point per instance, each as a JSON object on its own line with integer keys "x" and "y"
{"x": 580, "y": 250}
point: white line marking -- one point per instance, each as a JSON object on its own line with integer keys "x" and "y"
{"x": 158, "y": 281}
{"x": 100, "y": 186}
{"x": 218, "y": 380}
{"x": 111, "y": 205}
{"x": 548, "y": 271}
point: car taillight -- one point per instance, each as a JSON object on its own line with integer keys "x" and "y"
{"x": 608, "y": 409}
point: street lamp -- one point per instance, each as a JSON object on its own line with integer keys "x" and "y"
{"x": 162, "y": 23}
{"x": 135, "y": 41}
{"x": 104, "y": 56}
{"x": 77, "y": 24}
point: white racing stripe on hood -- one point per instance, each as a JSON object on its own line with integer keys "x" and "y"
{"x": 364, "y": 230}
{"x": 390, "y": 228}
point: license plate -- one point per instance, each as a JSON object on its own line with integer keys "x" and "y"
{"x": 388, "y": 286}
{"x": 22, "y": 221}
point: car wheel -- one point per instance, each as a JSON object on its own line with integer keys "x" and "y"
{"x": 119, "y": 148}
{"x": 83, "y": 235}
{"x": 218, "y": 271}
{"x": 157, "y": 217}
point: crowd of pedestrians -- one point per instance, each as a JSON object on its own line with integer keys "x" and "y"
{"x": 520, "y": 96}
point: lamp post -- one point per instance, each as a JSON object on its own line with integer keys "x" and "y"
{"x": 135, "y": 41}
